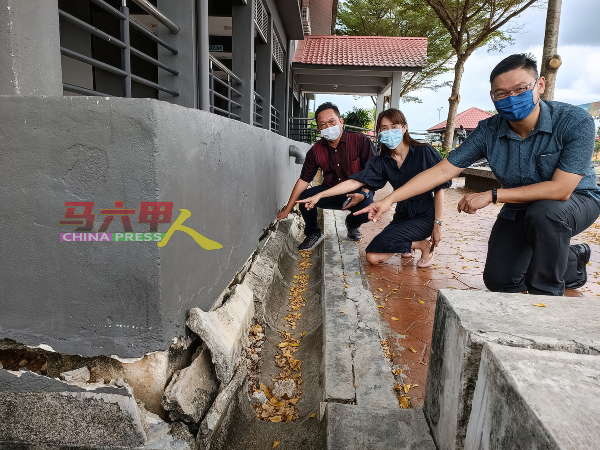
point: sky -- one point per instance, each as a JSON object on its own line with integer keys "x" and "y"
{"x": 578, "y": 79}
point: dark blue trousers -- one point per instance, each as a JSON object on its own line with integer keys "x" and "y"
{"x": 310, "y": 217}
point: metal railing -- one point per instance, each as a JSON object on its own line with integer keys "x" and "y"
{"x": 124, "y": 45}
{"x": 222, "y": 91}
{"x": 304, "y": 129}
{"x": 258, "y": 110}
{"x": 275, "y": 120}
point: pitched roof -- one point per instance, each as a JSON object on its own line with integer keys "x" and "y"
{"x": 468, "y": 119}
{"x": 369, "y": 51}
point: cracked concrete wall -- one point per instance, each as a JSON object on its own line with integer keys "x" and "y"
{"x": 126, "y": 299}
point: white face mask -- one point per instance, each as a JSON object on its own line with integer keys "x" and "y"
{"x": 331, "y": 133}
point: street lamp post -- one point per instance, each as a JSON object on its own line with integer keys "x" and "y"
{"x": 440, "y": 108}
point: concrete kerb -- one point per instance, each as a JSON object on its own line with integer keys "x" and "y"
{"x": 527, "y": 398}
{"x": 466, "y": 320}
{"x": 355, "y": 370}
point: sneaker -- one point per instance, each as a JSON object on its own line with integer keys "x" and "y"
{"x": 311, "y": 241}
{"x": 583, "y": 253}
{"x": 354, "y": 234}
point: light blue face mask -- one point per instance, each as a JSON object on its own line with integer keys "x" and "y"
{"x": 391, "y": 138}
{"x": 515, "y": 108}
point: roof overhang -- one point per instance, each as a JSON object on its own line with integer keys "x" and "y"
{"x": 289, "y": 12}
{"x": 350, "y": 80}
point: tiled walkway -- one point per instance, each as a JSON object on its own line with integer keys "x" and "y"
{"x": 408, "y": 294}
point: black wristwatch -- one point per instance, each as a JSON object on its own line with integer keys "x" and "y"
{"x": 494, "y": 196}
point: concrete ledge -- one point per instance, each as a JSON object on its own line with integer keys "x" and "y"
{"x": 466, "y": 320}
{"x": 480, "y": 179}
{"x": 528, "y": 398}
{"x": 351, "y": 427}
{"x": 40, "y": 410}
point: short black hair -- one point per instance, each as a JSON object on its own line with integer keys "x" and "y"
{"x": 517, "y": 61}
{"x": 327, "y": 105}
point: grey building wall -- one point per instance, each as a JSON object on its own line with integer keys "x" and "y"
{"x": 127, "y": 299}
{"x": 30, "y": 48}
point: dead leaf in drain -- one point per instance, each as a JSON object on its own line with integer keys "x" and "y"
{"x": 403, "y": 402}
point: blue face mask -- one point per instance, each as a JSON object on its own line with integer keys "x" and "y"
{"x": 515, "y": 108}
{"x": 391, "y": 138}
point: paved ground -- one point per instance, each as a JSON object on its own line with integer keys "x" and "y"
{"x": 408, "y": 294}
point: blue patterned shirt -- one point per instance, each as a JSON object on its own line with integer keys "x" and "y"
{"x": 562, "y": 139}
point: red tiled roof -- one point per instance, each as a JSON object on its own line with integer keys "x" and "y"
{"x": 370, "y": 51}
{"x": 468, "y": 119}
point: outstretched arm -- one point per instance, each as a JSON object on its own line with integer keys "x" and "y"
{"x": 425, "y": 181}
{"x": 299, "y": 188}
{"x": 342, "y": 188}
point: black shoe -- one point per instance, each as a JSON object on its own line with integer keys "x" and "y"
{"x": 311, "y": 241}
{"x": 354, "y": 234}
{"x": 583, "y": 253}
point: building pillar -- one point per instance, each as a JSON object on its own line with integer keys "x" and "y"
{"x": 30, "y": 48}
{"x": 281, "y": 97}
{"x": 396, "y": 86}
{"x": 264, "y": 76}
{"x": 203, "y": 55}
{"x": 243, "y": 56}
{"x": 182, "y": 13}
{"x": 380, "y": 105}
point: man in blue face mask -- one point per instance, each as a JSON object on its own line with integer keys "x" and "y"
{"x": 540, "y": 152}
{"x": 339, "y": 154}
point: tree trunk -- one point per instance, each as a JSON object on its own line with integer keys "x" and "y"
{"x": 550, "y": 59}
{"x": 453, "y": 101}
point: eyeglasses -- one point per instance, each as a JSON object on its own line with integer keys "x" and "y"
{"x": 501, "y": 95}
{"x": 323, "y": 125}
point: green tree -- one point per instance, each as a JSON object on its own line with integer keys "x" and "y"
{"x": 471, "y": 25}
{"x": 402, "y": 18}
{"x": 358, "y": 117}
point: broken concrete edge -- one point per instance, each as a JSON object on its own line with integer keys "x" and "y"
{"x": 147, "y": 376}
{"x": 222, "y": 407}
{"x": 355, "y": 369}
{"x": 225, "y": 329}
{"x": 462, "y": 326}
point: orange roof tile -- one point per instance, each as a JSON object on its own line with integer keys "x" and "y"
{"x": 468, "y": 119}
{"x": 370, "y": 51}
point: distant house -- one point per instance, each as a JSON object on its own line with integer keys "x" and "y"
{"x": 469, "y": 119}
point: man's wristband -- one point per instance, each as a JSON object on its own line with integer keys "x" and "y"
{"x": 364, "y": 193}
{"x": 439, "y": 222}
{"x": 494, "y": 196}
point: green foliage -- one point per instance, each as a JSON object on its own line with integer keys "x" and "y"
{"x": 403, "y": 18}
{"x": 598, "y": 132}
{"x": 358, "y": 117}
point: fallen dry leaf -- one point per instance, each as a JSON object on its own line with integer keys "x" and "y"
{"x": 397, "y": 371}
{"x": 421, "y": 301}
{"x": 403, "y": 402}
{"x": 313, "y": 414}
{"x": 395, "y": 318}
{"x": 380, "y": 290}
{"x": 541, "y": 305}
{"x": 380, "y": 306}
{"x": 412, "y": 349}
{"x": 275, "y": 444}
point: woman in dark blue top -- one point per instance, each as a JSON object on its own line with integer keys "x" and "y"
{"x": 416, "y": 218}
